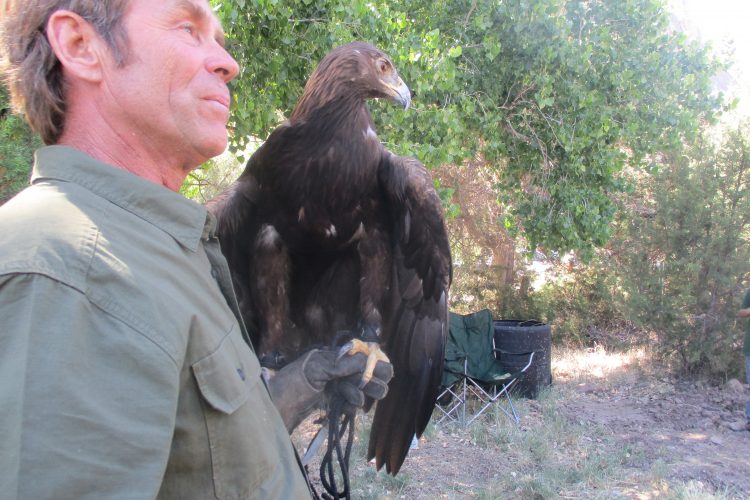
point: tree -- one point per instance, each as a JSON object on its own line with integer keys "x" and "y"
{"x": 684, "y": 261}
{"x": 557, "y": 96}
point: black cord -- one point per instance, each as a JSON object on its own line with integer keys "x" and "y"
{"x": 340, "y": 423}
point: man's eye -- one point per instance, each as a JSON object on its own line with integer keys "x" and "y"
{"x": 188, "y": 28}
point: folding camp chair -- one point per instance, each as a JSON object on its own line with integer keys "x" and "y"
{"x": 472, "y": 368}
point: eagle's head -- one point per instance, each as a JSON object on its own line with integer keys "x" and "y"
{"x": 368, "y": 70}
{"x": 356, "y": 70}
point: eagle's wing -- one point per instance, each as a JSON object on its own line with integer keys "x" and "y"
{"x": 236, "y": 211}
{"x": 416, "y": 329}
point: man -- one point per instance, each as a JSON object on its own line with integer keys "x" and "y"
{"x": 744, "y": 312}
{"x": 123, "y": 367}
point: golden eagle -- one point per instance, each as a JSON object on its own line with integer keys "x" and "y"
{"x": 326, "y": 230}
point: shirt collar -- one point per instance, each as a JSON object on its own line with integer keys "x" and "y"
{"x": 185, "y": 220}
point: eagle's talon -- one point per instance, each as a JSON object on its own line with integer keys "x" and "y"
{"x": 373, "y": 357}
{"x": 371, "y": 350}
{"x": 370, "y": 334}
{"x": 344, "y": 350}
{"x": 273, "y": 360}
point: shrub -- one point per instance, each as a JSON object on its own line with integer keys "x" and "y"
{"x": 685, "y": 262}
{"x": 17, "y": 145}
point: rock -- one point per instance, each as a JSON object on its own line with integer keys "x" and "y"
{"x": 735, "y": 386}
{"x": 717, "y": 440}
{"x": 587, "y": 388}
{"x": 737, "y": 425}
{"x": 707, "y": 424}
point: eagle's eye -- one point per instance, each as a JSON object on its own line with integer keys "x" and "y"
{"x": 383, "y": 66}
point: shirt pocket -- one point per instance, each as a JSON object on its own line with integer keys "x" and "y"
{"x": 230, "y": 385}
{"x": 224, "y": 377}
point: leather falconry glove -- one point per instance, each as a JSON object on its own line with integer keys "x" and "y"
{"x": 299, "y": 387}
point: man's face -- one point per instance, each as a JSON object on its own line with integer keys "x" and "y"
{"x": 172, "y": 90}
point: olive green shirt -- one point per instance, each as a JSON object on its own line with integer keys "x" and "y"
{"x": 745, "y": 305}
{"x": 123, "y": 369}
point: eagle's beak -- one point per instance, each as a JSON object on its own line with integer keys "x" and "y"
{"x": 400, "y": 93}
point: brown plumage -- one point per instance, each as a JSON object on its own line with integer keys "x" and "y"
{"x": 326, "y": 230}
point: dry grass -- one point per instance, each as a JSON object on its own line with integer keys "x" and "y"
{"x": 613, "y": 368}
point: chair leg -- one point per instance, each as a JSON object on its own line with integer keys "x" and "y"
{"x": 506, "y": 390}
{"x": 487, "y": 399}
{"x": 460, "y": 395}
{"x": 452, "y": 411}
{"x": 463, "y": 406}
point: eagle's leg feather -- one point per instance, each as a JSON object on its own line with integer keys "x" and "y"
{"x": 270, "y": 287}
{"x": 374, "y": 259}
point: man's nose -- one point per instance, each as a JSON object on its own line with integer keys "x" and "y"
{"x": 222, "y": 63}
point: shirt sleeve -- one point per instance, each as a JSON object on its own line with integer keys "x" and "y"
{"x": 87, "y": 403}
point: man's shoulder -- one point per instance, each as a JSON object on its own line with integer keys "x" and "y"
{"x": 64, "y": 232}
{"x": 48, "y": 229}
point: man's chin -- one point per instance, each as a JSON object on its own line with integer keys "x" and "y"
{"x": 208, "y": 150}
{"x": 201, "y": 156}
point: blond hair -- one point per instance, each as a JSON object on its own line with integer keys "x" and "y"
{"x": 29, "y": 66}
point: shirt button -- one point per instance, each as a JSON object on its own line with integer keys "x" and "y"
{"x": 241, "y": 373}
{"x": 214, "y": 273}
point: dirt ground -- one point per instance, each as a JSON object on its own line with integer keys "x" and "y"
{"x": 689, "y": 432}
{"x": 696, "y": 430}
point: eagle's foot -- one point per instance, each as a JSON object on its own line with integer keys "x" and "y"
{"x": 371, "y": 350}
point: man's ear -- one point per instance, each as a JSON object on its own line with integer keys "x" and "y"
{"x": 77, "y": 45}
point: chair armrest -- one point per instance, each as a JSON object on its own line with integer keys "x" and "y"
{"x": 529, "y": 354}
{"x": 503, "y": 351}
{"x": 455, "y": 356}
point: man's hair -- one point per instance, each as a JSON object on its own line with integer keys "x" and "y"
{"x": 31, "y": 69}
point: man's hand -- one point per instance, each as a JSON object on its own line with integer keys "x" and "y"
{"x": 298, "y": 388}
